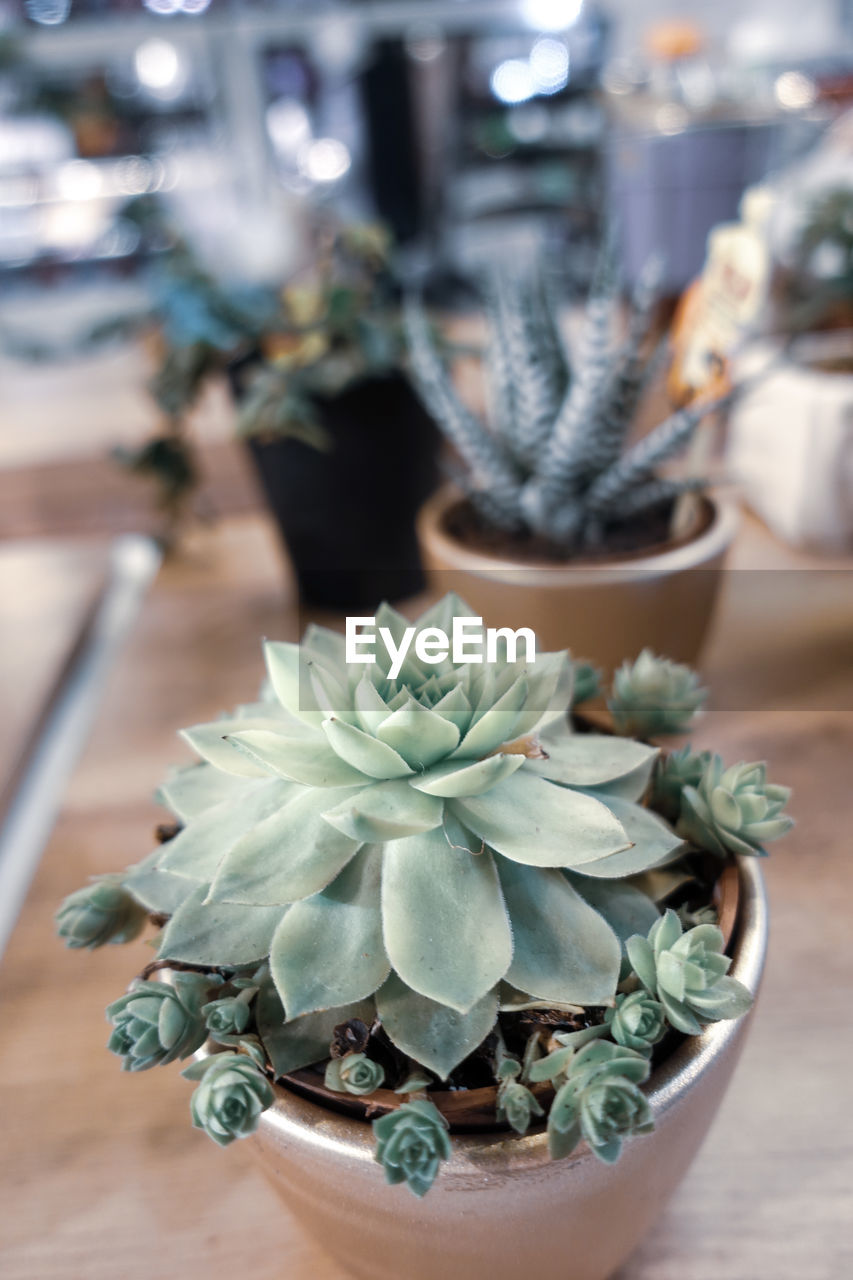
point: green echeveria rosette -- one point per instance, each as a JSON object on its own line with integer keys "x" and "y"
{"x": 411, "y": 1143}
{"x": 516, "y": 1104}
{"x": 637, "y": 1021}
{"x": 354, "y": 1073}
{"x": 686, "y": 972}
{"x": 99, "y": 913}
{"x": 155, "y": 1023}
{"x": 600, "y": 1101}
{"x": 653, "y": 696}
{"x": 230, "y": 1097}
{"x": 734, "y": 810}
{"x": 673, "y": 772}
{"x": 228, "y": 1016}
{"x": 432, "y": 843}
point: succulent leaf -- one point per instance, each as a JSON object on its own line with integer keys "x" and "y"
{"x": 299, "y": 1042}
{"x": 517, "y": 1105}
{"x": 431, "y": 893}
{"x": 652, "y": 841}
{"x": 594, "y": 760}
{"x": 312, "y": 762}
{"x": 198, "y": 849}
{"x": 328, "y": 949}
{"x": 563, "y": 949}
{"x": 385, "y": 811}
{"x": 253, "y": 871}
{"x": 218, "y": 933}
{"x": 531, "y": 820}
{"x": 438, "y": 1036}
{"x": 455, "y": 779}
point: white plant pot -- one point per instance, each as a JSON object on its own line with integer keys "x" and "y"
{"x": 791, "y": 441}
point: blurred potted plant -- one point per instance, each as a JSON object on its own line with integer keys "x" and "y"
{"x": 414, "y": 892}
{"x": 558, "y": 526}
{"x": 345, "y": 451}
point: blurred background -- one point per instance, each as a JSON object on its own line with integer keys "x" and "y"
{"x": 471, "y": 130}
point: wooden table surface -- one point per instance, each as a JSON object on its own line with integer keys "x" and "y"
{"x": 101, "y": 1175}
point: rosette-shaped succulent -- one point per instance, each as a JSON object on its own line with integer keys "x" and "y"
{"x": 432, "y": 842}
{"x": 653, "y": 695}
{"x": 101, "y": 912}
{"x": 600, "y": 1101}
{"x": 229, "y": 1099}
{"x": 411, "y": 1143}
{"x": 734, "y": 810}
{"x": 674, "y": 772}
{"x": 687, "y": 972}
{"x": 354, "y": 1073}
{"x": 516, "y": 1104}
{"x": 229, "y": 1016}
{"x": 156, "y": 1022}
{"x": 637, "y": 1021}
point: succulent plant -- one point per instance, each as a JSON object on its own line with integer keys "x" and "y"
{"x": 353, "y": 827}
{"x": 600, "y": 1101}
{"x": 516, "y": 1104}
{"x": 673, "y": 772}
{"x": 156, "y": 1022}
{"x": 229, "y": 1016}
{"x": 549, "y": 460}
{"x": 421, "y": 848}
{"x": 354, "y": 1073}
{"x": 411, "y": 1144}
{"x": 99, "y": 913}
{"x": 735, "y": 809}
{"x": 231, "y": 1094}
{"x": 687, "y": 972}
{"x": 654, "y": 696}
{"x": 637, "y": 1021}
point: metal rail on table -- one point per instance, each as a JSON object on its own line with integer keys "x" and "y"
{"x": 32, "y": 804}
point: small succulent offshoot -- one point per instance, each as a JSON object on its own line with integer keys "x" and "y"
{"x": 384, "y": 877}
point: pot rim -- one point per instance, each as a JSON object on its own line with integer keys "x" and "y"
{"x": 707, "y": 546}
{"x": 295, "y": 1119}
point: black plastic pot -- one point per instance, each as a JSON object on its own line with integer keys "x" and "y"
{"x": 347, "y": 513}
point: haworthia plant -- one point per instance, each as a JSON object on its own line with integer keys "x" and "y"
{"x": 379, "y": 873}
{"x": 550, "y": 458}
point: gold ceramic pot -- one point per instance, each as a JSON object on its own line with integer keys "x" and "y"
{"x": 500, "y": 1209}
{"x": 607, "y": 609}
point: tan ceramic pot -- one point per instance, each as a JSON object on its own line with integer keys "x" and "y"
{"x": 500, "y": 1209}
{"x": 608, "y": 609}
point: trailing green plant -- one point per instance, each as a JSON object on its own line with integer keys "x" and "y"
{"x": 387, "y": 870}
{"x": 551, "y": 459}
